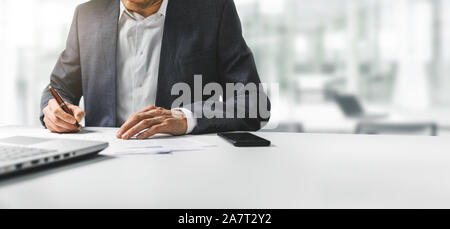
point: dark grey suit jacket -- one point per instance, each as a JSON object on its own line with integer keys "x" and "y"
{"x": 200, "y": 37}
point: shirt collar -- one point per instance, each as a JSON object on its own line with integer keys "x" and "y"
{"x": 162, "y": 10}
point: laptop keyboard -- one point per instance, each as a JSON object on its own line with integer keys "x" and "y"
{"x": 12, "y": 153}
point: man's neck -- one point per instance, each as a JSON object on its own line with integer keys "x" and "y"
{"x": 146, "y": 9}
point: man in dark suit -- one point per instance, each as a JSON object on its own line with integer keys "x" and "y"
{"x": 124, "y": 57}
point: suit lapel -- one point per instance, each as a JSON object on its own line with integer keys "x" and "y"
{"x": 109, "y": 36}
{"x": 168, "y": 50}
{"x": 109, "y": 47}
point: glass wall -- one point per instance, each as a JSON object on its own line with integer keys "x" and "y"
{"x": 381, "y": 50}
{"x": 391, "y": 55}
{"x": 32, "y": 35}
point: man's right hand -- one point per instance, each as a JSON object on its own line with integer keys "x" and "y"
{"x": 58, "y": 121}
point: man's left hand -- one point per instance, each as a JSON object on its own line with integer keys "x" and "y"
{"x": 153, "y": 120}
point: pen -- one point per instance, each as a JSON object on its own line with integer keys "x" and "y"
{"x": 62, "y": 104}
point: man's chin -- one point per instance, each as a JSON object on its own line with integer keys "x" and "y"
{"x": 134, "y": 1}
{"x": 136, "y": 4}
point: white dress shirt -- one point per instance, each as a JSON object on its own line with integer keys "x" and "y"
{"x": 138, "y": 57}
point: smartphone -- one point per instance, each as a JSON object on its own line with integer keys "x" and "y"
{"x": 245, "y": 139}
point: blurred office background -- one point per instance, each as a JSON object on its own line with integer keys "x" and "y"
{"x": 328, "y": 56}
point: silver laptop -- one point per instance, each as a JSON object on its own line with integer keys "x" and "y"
{"x": 20, "y": 153}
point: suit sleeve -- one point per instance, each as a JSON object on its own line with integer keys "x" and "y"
{"x": 66, "y": 75}
{"x": 235, "y": 65}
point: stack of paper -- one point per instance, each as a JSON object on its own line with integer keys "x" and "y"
{"x": 155, "y": 145}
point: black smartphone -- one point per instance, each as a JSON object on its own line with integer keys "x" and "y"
{"x": 244, "y": 139}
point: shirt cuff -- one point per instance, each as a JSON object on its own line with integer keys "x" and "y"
{"x": 191, "y": 121}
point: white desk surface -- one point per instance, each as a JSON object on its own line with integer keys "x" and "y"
{"x": 298, "y": 171}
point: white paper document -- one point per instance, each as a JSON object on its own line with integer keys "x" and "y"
{"x": 159, "y": 144}
{"x": 154, "y": 146}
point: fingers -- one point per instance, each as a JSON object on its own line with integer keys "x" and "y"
{"x": 133, "y": 120}
{"x": 57, "y": 111}
{"x": 57, "y": 128}
{"x": 152, "y": 112}
{"x": 51, "y": 126}
{"x": 57, "y": 120}
{"x": 162, "y": 128}
{"x": 150, "y": 121}
{"x": 149, "y": 108}
{"x": 142, "y": 125}
{"x": 78, "y": 113}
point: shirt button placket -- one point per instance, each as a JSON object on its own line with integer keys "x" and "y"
{"x": 136, "y": 72}
{"x": 140, "y": 64}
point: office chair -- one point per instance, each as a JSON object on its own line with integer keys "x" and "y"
{"x": 376, "y": 128}
{"x": 349, "y": 105}
{"x": 352, "y": 107}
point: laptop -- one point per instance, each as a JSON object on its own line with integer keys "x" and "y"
{"x": 352, "y": 108}
{"x": 22, "y": 153}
